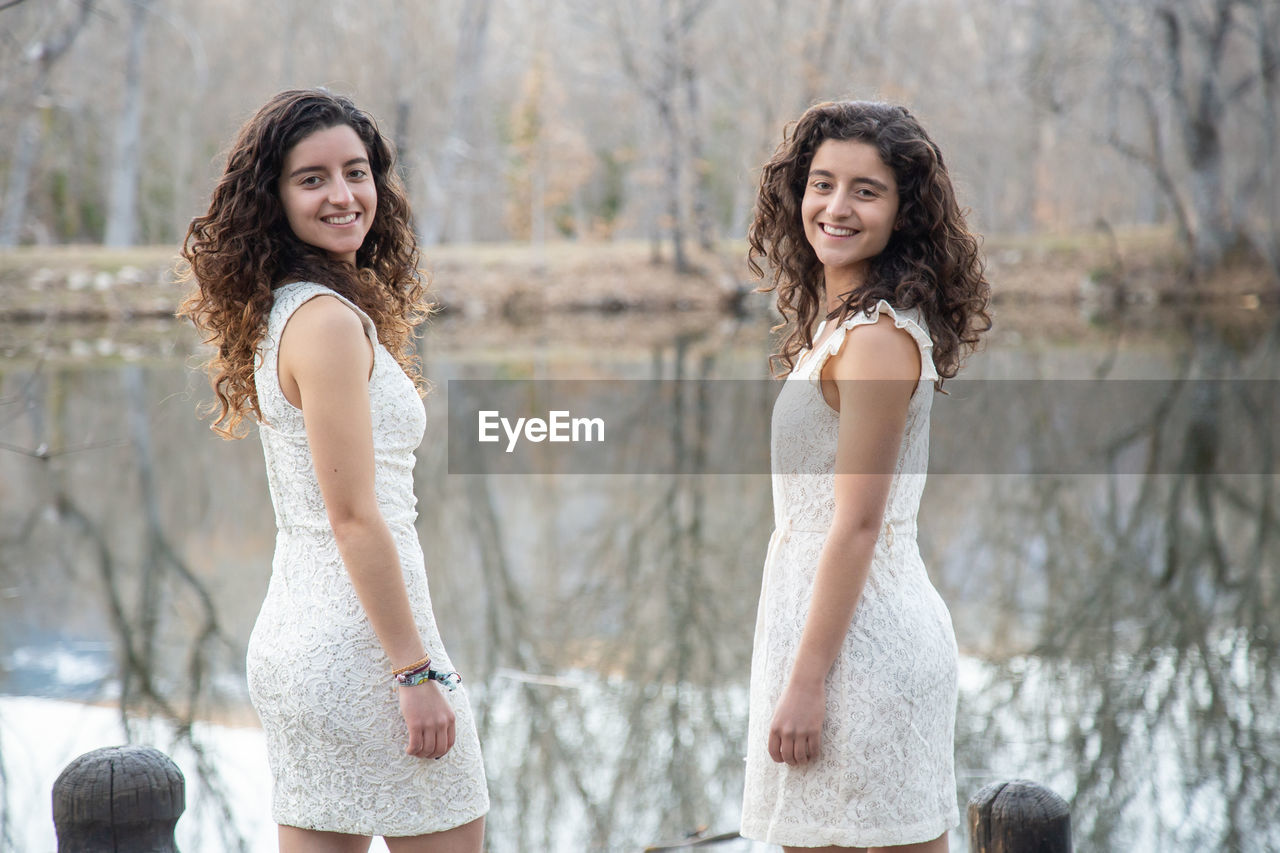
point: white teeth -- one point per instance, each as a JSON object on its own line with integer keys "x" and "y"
{"x": 345, "y": 219}
{"x": 837, "y": 232}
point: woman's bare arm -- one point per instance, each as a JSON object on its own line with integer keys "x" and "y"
{"x": 871, "y": 380}
{"x": 325, "y": 359}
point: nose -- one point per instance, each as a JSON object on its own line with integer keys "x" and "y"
{"x": 839, "y": 203}
{"x": 340, "y": 193}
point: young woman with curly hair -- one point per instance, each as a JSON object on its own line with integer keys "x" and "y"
{"x": 306, "y": 284}
{"x": 853, "y": 674}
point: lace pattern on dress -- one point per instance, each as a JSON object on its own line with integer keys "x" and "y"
{"x": 318, "y": 676}
{"x": 885, "y": 775}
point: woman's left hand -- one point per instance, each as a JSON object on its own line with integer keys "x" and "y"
{"x": 429, "y": 718}
{"x": 795, "y": 735}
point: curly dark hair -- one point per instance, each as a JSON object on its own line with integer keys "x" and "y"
{"x": 931, "y": 261}
{"x": 239, "y": 252}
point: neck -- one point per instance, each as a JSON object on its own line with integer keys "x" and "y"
{"x": 837, "y": 288}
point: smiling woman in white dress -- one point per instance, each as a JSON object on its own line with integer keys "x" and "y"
{"x": 853, "y": 673}
{"x": 306, "y": 283}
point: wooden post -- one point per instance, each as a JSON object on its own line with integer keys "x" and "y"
{"x": 119, "y": 798}
{"x": 1018, "y": 817}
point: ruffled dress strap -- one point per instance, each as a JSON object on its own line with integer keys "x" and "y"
{"x": 909, "y": 320}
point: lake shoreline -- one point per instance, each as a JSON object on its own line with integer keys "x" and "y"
{"x": 78, "y": 303}
{"x": 517, "y": 282}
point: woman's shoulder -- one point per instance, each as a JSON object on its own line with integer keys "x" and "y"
{"x": 317, "y": 308}
{"x": 876, "y": 349}
{"x": 894, "y": 339}
{"x": 326, "y": 316}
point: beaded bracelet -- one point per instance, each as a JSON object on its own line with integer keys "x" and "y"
{"x": 450, "y": 680}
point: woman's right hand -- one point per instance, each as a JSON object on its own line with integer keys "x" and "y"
{"x": 795, "y": 734}
{"x": 430, "y": 719}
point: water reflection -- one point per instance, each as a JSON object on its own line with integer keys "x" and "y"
{"x": 1140, "y": 671}
{"x": 93, "y": 550}
{"x": 617, "y": 617}
{"x": 1120, "y": 630}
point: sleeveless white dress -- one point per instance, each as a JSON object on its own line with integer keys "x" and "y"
{"x": 318, "y": 677}
{"x": 885, "y": 774}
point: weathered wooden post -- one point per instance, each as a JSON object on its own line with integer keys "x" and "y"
{"x": 119, "y": 798}
{"x": 1018, "y": 817}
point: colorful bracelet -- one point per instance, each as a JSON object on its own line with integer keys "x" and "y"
{"x": 450, "y": 680}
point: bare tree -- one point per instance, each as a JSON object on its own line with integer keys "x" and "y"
{"x": 674, "y": 105}
{"x": 817, "y": 71}
{"x": 447, "y": 211}
{"x": 1190, "y": 83}
{"x": 1265, "y": 179}
{"x": 126, "y": 162}
{"x": 656, "y": 60}
{"x": 45, "y": 53}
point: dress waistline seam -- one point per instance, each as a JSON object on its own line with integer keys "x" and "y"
{"x": 325, "y": 528}
{"x": 890, "y": 532}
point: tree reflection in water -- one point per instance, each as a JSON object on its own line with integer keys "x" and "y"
{"x": 1146, "y": 686}
{"x": 97, "y": 524}
{"x": 1127, "y": 625}
{"x": 617, "y": 621}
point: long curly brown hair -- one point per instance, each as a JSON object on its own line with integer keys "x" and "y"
{"x": 931, "y": 261}
{"x": 239, "y": 252}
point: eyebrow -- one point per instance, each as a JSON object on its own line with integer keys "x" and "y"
{"x": 345, "y": 165}
{"x": 880, "y": 185}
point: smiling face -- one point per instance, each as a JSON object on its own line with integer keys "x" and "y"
{"x": 328, "y": 192}
{"x": 849, "y": 208}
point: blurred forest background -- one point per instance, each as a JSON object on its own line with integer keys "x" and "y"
{"x": 1122, "y": 158}
{"x": 596, "y": 119}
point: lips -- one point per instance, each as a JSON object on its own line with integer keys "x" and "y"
{"x": 340, "y": 219}
{"x": 836, "y": 231}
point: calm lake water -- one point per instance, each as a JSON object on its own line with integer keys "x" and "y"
{"x": 1120, "y": 631}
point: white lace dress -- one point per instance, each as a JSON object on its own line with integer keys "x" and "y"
{"x": 318, "y": 677}
{"x": 885, "y": 775}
